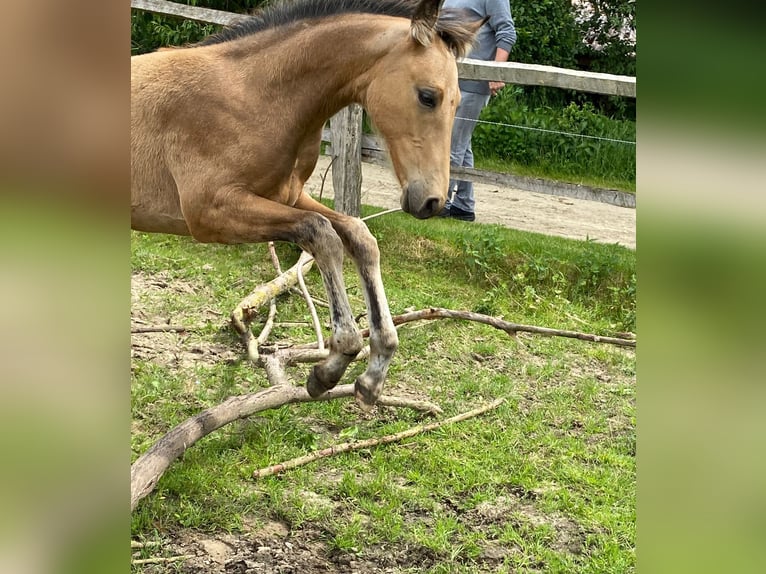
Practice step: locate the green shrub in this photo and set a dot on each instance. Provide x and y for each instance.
(569, 156)
(151, 31)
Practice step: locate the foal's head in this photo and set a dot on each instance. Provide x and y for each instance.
(412, 101)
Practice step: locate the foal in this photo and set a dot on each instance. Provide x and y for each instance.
(225, 133)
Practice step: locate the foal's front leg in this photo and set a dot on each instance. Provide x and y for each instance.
(362, 247)
(241, 217)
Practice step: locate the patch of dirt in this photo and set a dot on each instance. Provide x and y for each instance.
(178, 350)
(527, 211)
(275, 550)
(271, 547)
(522, 512)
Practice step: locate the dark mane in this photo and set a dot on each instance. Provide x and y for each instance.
(285, 12)
(451, 25)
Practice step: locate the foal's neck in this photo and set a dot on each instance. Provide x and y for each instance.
(322, 67)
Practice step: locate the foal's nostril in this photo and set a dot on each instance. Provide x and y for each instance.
(430, 207)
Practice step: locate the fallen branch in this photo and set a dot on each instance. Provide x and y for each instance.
(161, 560)
(160, 329)
(510, 328)
(137, 544)
(243, 314)
(149, 467)
(309, 301)
(357, 445)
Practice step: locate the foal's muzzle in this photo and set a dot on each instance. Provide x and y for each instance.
(418, 200)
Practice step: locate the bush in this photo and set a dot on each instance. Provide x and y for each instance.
(570, 156)
(151, 31)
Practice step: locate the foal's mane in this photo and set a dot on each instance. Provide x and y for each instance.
(451, 26)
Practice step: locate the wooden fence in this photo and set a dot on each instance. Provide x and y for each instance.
(350, 145)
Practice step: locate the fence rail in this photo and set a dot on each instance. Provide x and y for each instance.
(508, 72)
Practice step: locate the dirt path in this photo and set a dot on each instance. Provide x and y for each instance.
(562, 216)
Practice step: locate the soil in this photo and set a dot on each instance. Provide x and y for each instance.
(272, 547)
(527, 211)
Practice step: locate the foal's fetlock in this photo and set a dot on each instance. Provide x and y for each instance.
(367, 391)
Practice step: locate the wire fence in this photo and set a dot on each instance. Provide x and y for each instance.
(584, 136)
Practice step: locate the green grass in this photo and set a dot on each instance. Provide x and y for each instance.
(546, 482)
(555, 173)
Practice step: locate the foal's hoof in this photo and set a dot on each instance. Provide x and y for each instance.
(315, 386)
(366, 397)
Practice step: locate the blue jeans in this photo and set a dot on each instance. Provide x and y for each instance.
(461, 155)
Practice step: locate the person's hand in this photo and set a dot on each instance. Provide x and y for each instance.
(495, 87)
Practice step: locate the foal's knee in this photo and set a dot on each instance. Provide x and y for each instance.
(359, 242)
(316, 235)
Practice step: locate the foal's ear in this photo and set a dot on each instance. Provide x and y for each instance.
(424, 21)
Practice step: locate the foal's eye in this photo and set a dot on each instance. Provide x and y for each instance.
(427, 98)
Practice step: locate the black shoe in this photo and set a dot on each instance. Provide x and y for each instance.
(457, 213)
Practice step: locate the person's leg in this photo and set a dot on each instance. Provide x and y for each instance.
(463, 198)
(462, 129)
(470, 108)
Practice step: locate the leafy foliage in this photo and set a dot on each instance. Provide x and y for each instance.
(547, 32)
(151, 31)
(570, 156)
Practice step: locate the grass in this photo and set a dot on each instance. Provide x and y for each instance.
(556, 173)
(544, 483)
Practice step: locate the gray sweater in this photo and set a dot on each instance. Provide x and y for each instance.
(498, 32)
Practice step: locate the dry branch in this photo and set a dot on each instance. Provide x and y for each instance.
(161, 560)
(309, 301)
(137, 544)
(149, 467)
(161, 329)
(357, 445)
(508, 327)
(244, 313)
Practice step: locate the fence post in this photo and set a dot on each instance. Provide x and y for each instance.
(346, 128)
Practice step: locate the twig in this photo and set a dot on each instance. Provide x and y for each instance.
(160, 329)
(274, 258)
(275, 373)
(243, 314)
(137, 544)
(161, 560)
(510, 328)
(324, 176)
(309, 301)
(386, 212)
(269, 325)
(296, 355)
(350, 446)
(149, 467)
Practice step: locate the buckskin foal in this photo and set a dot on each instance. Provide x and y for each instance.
(225, 133)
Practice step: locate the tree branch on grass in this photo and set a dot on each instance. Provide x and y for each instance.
(160, 329)
(309, 301)
(245, 312)
(146, 471)
(158, 560)
(511, 328)
(358, 445)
